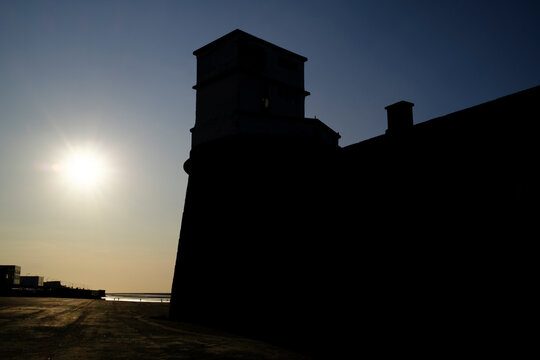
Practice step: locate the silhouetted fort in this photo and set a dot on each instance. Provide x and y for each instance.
(287, 235)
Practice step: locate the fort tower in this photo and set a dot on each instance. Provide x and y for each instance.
(252, 175)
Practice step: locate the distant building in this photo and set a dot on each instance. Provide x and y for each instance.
(31, 281)
(407, 236)
(52, 284)
(10, 276)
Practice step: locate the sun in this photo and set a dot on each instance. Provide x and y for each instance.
(84, 168)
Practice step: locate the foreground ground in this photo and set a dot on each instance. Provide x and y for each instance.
(52, 328)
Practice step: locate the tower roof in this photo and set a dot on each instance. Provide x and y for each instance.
(238, 34)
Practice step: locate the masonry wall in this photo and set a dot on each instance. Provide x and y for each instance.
(407, 235)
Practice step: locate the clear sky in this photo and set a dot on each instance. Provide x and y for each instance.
(96, 105)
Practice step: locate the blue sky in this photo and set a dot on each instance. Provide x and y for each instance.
(116, 76)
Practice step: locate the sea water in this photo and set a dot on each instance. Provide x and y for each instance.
(139, 297)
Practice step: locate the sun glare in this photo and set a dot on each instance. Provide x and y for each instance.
(84, 168)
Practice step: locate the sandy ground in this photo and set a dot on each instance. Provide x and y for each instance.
(52, 328)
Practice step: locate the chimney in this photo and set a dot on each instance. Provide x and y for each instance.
(400, 118)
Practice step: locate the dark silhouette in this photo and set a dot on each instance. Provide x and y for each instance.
(405, 240)
(13, 284)
(10, 276)
(31, 281)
